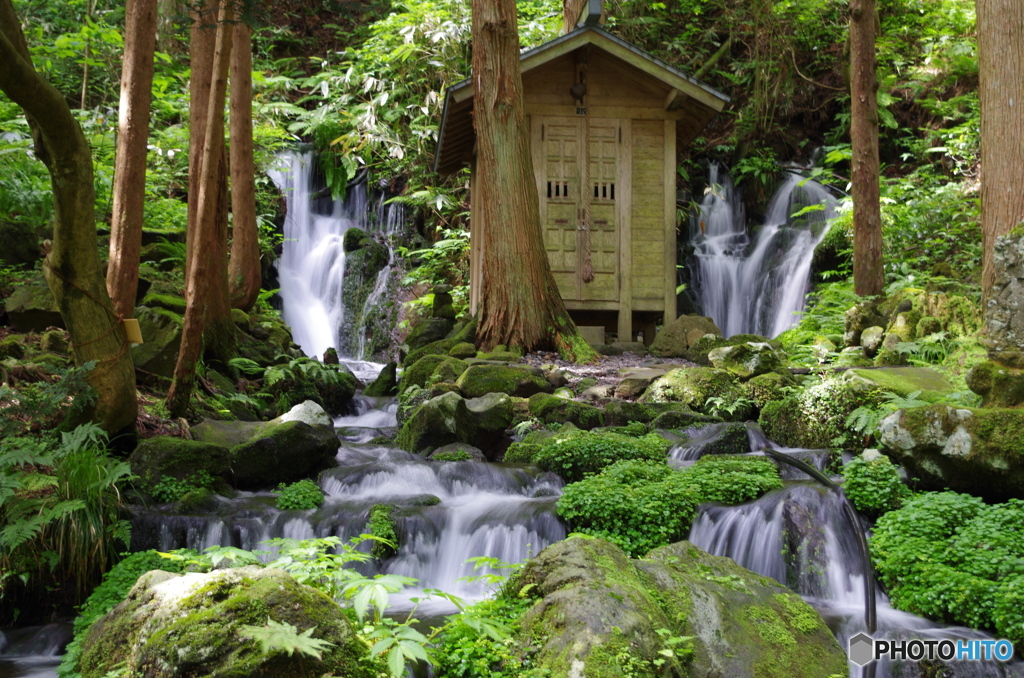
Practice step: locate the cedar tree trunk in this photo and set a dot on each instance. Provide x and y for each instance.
(244, 267)
(201, 271)
(72, 267)
(1000, 55)
(130, 166)
(519, 300)
(868, 272)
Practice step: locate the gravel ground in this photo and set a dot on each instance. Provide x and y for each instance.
(606, 370)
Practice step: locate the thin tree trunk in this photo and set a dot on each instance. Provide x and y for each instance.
(519, 300)
(201, 48)
(571, 11)
(1000, 55)
(868, 271)
(202, 270)
(130, 158)
(72, 268)
(244, 267)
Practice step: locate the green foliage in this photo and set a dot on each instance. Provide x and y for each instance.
(863, 420)
(25, 191)
(115, 587)
(60, 522)
(173, 489)
(953, 558)
(382, 526)
(454, 455)
(474, 644)
(874, 486)
(302, 495)
(720, 406)
(640, 505)
(46, 405)
(585, 452)
(283, 637)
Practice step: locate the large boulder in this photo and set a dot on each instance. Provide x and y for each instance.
(156, 458)
(675, 339)
(386, 383)
(815, 417)
(32, 308)
(194, 625)
(552, 409)
(479, 380)
(692, 386)
(450, 418)
(161, 334)
(998, 386)
(635, 381)
(427, 331)
(978, 451)
(599, 613)
(749, 359)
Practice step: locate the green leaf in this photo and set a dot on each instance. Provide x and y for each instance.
(283, 636)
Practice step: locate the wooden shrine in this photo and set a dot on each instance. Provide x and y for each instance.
(606, 122)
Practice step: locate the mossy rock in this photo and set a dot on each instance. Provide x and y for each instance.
(815, 417)
(353, 239)
(552, 409)
(283, 452)
(676, 338)
(903, 381)
(680, 419)
(156, 458)
(499, 356)
(622, 412)
(692, 386)
(448, 370)
(11, 347)
(161, 332)
(748, 359)
(463, 350)
(979, 451)
(450, 418)
(418, 374)
(998, 386)
(464, 331)
(860, 317)
(725, 438)
(479, 380)
(386, 383)
(54, 341)
(439, 347)
(427, 331)
(521, 453)
(853, 356)
(170, 302)
(765, 388)
(32, 308)
(193, 624)
(241, 319)
(597, 614)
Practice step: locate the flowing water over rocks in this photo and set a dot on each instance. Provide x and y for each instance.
(32, 652)
(754, 283)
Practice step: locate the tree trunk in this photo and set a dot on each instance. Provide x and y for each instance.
(868, 272)
(244, 267)
(218, 332)
(1000, 55)
(571, 11)
(72, 265)
(202, 269)
(130, 167)
(519, 300)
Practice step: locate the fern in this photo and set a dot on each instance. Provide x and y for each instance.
(246, 366)
(282, 636)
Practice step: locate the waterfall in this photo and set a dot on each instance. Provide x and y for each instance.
(311, 269)
(756, 285)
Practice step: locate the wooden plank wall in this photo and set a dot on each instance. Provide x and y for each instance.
(648, 215)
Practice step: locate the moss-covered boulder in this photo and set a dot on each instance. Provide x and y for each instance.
(597, 614)
(450, 418)
(54, 341)
(680, 419)
(859, 318)
(622, 412)
(161, 334)
(19, 241)
(930, 384)
(11, 347)
(449, 370)
(32, 308)
(386, 383)
(765, 388)
(998, 386)
(426, 331)
(195, 625)
(748, 359)
(439, 347)
(418, 373)
(726, 438)
(692, 386)
(282, 452)
(170, 302)
(635, 382)
(463, 350)
(354, 239)
(871, 340)
(978, 451)
(552, 409)
(676, 338)
(815, 417)
(479, 380)
(164, 456)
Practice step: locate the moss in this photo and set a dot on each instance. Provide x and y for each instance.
(904, 381)
(551, 409)
(439, 347)
(463, 350)
(480, 380)
(692, 387)
(155, 458)
(521, 453)
(418, 373)
(765, 388)
(448, 370)
(11, 348)
(167, 302)
(381, 526)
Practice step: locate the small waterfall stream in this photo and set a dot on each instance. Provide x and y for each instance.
(32, 652)
(800, 537)
(756, 285)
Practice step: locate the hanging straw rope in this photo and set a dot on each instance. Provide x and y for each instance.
(588, 267)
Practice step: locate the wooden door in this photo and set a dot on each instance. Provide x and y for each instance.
(558, 156)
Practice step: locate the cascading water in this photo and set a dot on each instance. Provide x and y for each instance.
(447, 511)
(756, 286)
(32, 652)
(800, 537)
(311, 270)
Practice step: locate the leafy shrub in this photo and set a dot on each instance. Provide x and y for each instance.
(521, 453)
(115, 587)
(584, 452)
(58, 396)
(473, 644)
(950, 557)
(874, 486)
(381, 526)
(173, 489)
(302, 496)
(60, 525)
(641, 505)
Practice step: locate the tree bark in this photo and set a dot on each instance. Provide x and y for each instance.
(1001, 89)
(519, 300)
(72, 266)
(868, 271)
(218, 330)
(244, 267)
(207, 233)
(571, 11)
(130, 158)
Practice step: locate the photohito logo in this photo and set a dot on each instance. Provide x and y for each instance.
(863, 649)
